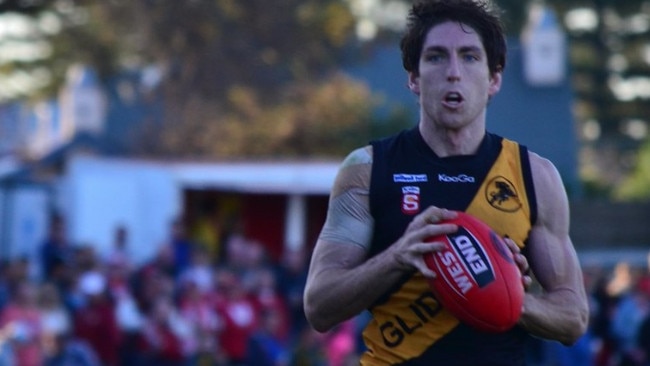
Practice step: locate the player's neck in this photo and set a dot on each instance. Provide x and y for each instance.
(451, 142)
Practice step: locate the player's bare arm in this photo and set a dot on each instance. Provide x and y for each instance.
(561, 311)
(341, 281)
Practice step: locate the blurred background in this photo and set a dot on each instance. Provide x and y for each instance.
(165, 167)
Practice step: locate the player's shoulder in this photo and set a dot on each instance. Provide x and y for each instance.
(359, 156)
(355, 170)
(541, 167)
(550, 193)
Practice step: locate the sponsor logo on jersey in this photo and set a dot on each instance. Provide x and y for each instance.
(502, 195)
(410, 200)
(399, 326)
(410, 178)
(461, 178)
(465, 265)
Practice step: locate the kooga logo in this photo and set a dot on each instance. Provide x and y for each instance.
(462, 178)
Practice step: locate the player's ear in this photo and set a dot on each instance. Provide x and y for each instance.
(414, 83)
(495, 83)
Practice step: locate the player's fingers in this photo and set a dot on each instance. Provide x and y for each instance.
(412, 255)
(424, 269)
(520, 259)
(514, 248)
(431, 231)
(434, 215)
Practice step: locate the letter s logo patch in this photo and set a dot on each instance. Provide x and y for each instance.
(410, 200)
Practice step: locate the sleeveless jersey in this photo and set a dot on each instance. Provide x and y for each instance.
(408, 326)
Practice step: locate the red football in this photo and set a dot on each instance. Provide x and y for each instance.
(477, 278)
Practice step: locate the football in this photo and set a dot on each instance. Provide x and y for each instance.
(477, 278)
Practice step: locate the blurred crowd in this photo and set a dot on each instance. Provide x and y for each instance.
(195, 305)
(619, 327)
(189, 305)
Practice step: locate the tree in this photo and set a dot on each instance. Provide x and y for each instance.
(310, 120)
(636, 186)
(608, 68)
(233, 73)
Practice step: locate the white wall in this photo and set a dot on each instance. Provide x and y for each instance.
(23, 222)
(101, 194)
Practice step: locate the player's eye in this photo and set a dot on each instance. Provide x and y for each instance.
(434, 57)
(470, 57)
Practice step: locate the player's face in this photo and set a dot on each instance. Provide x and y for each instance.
(454, 82)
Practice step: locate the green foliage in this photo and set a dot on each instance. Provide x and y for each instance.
(636, 186)
(208, 46)
(323, 119)
(241, 78)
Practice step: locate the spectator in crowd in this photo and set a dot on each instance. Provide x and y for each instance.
(309, 349)
(239, 315)
(20, 325)
(65, 350)
(165, 336)
(292, 276)
(207, 231)
(119, 255)
(196, 306)
(627, 318)
(58, 345)
(340, 345)
(643, 340)
(56, 252)
(154, 279)
(127, 312)
(180, 245)
(268, 345)
(6, 351)
(18, 272)
(604, 304)
(199, 271)
(95, 321)
(269, 300)
(235, 255)
(54, 316)
(4, 283)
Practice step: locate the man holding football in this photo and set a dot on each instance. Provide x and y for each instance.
(391, 196)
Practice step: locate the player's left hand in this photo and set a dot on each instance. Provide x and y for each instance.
(521, 261)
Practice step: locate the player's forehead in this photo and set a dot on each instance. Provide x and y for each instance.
(452, 35)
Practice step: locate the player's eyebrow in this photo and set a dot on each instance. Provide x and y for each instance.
(440, 48)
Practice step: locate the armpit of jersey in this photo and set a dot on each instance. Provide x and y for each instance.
(348, 219)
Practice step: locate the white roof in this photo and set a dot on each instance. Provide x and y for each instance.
(251, 177)
(258, 177)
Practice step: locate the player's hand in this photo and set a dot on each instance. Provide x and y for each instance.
(522, 262)
(409, 250)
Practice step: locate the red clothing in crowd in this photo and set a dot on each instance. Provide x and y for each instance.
(96, 324)
(240, 321)
(23, 325)
(159, 342)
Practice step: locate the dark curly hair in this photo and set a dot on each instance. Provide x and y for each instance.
(479, 15)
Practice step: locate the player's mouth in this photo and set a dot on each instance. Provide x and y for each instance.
(453, 100)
